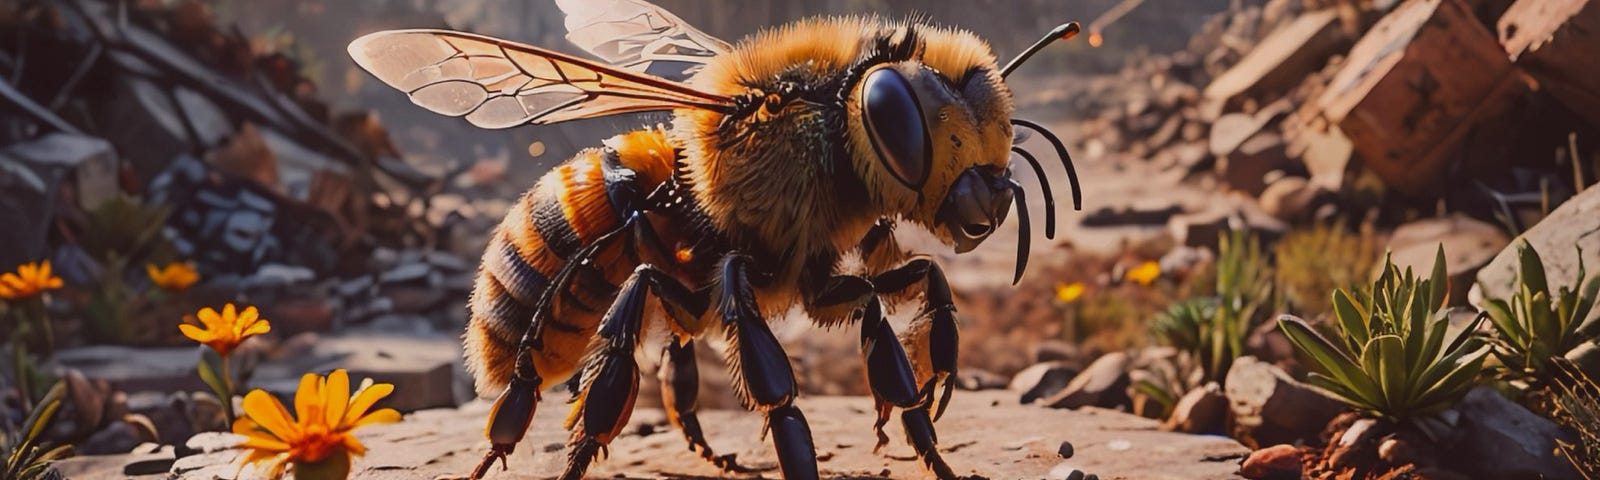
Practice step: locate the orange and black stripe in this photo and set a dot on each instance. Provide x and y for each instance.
(570, 207)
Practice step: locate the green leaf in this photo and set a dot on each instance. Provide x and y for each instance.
(209, 376)
(1331, 361)
(1530, 269)
(1439, 280)
(1351, 320)
(44, 412)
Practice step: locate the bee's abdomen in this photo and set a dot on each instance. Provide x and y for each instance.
(570, 207)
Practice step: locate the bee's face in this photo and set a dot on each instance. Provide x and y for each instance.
(935, 148)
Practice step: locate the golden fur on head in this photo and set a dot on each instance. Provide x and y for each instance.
(774, 187)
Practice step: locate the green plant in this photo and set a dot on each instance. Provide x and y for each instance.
(1535, 325)
(119, 233)
(1212, 330)
(27, 457)
(1394, 356)
(1315, 261)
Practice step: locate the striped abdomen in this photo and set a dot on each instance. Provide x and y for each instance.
(569, 208)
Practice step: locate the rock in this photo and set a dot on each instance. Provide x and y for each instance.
(1357, 444)
(1327, 155)
(143, 122)
(1497, 438)
(1246, 167)
(1290, 198)
(1555, 41)
(1042, 380)
(1107, 216)
(30, 178)
(1277, 462)
(1065, 451)
(1201, 411)
(1103, 384)
(1468, 245)
(423, 370)
(433, 443)
(1202, 229)
(1573, 225)
(136, 369)
(118, 437)
(1411, 89)
(980, 379)
(1270, 407)
(1279, 61)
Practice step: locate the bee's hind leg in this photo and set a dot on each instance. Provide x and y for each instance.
(610, 381)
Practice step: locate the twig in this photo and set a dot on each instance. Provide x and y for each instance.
(1577, 162)
(10, 94)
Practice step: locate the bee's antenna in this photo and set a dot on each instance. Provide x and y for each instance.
(1063, 32)
(1044, 183)
(1061, 151)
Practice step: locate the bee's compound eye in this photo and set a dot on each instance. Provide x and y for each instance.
(895, 125)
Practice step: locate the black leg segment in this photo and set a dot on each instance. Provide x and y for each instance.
(680, 391)
(763, 378)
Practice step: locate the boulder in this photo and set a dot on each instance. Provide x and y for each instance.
(1270, 407)
(1290, 198)
(1496, 438)
(1201, 411)
(1103, 384)
(1042, 380)
(1246, 168)
(136, 369)
(1413, 87)
(422, 369)
(1280, 60)
(1573, 225)
(1555, 41)
(1469, 245)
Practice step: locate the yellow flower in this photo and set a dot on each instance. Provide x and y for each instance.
(29, 280)
(1145, 274)
(1068, 293)
(174, 277)
(327, 413)
(223, 332)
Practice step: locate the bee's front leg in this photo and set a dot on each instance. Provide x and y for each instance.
(934, 337)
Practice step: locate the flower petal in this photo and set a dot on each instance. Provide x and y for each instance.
(195, 333)
(308, 399)
(258, 443)
(336, 397)
(269, 413)
(386, 415)
(364, 401)
(354, 446)
(258, 327)
(230, 315)
(209, 318)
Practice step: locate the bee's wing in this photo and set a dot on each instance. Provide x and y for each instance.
(638, 36)
(497, 83)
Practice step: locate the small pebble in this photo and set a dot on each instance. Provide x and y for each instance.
(1091, 477)
(1065, 451)
(1075, 475)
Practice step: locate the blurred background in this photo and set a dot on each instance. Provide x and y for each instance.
(235, 138)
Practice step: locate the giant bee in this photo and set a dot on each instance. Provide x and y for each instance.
(790, 159)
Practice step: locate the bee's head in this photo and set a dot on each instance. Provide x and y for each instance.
(932, 136)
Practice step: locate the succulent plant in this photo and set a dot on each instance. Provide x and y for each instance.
(1394, 355)
(1535, 325)
(26, 457)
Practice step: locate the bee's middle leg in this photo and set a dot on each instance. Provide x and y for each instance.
(763, 378)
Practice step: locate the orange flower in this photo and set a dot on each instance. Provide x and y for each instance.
(174, 277)
(1068, 293)
(1145, 274)
(29, 280)
(224, 332)
(327, 414)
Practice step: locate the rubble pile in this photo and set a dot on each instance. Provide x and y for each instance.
(1308, 107)
(270, 193)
